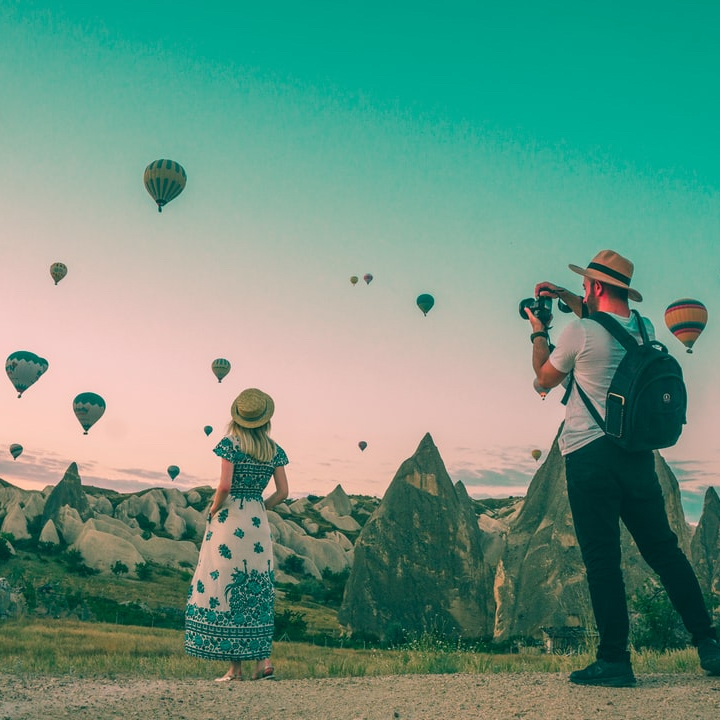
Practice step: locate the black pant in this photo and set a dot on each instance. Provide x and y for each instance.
(606, 484)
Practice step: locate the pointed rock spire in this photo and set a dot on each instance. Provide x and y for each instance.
(418, 560)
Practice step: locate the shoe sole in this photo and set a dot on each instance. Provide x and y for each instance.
(607, 682)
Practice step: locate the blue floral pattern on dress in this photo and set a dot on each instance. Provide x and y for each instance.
(231, 600)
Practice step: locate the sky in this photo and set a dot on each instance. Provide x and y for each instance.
(463, 149)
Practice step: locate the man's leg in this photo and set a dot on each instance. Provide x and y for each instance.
(595, 501)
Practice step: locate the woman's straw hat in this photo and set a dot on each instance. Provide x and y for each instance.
(609, 267)
(252, 408)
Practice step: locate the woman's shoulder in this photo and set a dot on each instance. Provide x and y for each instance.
(227, 448)
(280, 457)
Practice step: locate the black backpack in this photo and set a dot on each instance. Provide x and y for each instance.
(647, 400)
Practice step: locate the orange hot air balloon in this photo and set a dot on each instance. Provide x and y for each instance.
(368, 278)
(536, 454)
(354, 279)
(362, 445)
(686, 319)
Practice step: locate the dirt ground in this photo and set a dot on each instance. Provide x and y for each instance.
(407, 697)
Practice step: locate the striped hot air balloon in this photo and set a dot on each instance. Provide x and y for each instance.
(16, 450)
(220, 368)
(164, 180)
(88, 408)
(24, 368)
(686, 319)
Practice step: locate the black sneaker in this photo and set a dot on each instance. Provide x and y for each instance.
(602, 672)
(709, 652)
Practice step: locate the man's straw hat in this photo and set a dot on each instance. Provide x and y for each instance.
(609, 267)
(252, 408)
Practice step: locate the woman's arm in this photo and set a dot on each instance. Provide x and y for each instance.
(223, 488)
(281, 488)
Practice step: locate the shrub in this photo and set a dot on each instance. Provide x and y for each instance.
(291, 625)
(655, 624)
(143, 571)
(293, 565)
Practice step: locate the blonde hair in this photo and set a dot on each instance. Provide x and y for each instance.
(255, 442)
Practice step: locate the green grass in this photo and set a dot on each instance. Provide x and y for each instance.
(66, 647)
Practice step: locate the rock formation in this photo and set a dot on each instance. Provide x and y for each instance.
(706, 545)
(418, 561)
(68, 492)
(540, 578)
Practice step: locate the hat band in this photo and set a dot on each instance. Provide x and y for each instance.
(609, 271)
(252, 418)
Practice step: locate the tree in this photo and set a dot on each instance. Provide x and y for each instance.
(119, 568)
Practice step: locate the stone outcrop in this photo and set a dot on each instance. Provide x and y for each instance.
(706, 545)
(540, 577)
(68, 492)
(418, 561)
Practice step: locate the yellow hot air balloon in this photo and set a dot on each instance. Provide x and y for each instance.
(536, 454)
(16, 450)
(220, 368)
(425, 302)
(686, 319)
(354, 279)
(58, 271)
(164, 180)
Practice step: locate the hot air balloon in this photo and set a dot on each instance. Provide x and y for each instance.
(58, 271)
(367, 278)
(208, 429)
(539, 389)
(173, 471)
(536, 454)
(354, 279)
(362, 445)
(89, 408)
(686, 319)
(24, 368)
(425, 302)
(164, 180)
(220, 368)
(16, 450)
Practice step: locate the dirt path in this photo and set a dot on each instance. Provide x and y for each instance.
(407, 697)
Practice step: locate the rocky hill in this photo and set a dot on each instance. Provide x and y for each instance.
(426, 557)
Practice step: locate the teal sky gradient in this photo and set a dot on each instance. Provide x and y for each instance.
(462, 149)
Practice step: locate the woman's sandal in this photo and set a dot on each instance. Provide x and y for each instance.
(268, 673)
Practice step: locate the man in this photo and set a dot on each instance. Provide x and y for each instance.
(607, 483)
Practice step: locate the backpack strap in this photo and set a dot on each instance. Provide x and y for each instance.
(624, 338)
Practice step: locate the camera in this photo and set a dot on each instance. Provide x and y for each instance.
(541, 307)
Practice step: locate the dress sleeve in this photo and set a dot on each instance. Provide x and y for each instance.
(226, 449)
(280, 457)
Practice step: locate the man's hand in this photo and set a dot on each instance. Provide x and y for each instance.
(535, 324)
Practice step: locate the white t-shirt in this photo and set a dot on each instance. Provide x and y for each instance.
(588, 350)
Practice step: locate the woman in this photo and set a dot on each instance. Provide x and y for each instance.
(231, 601)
